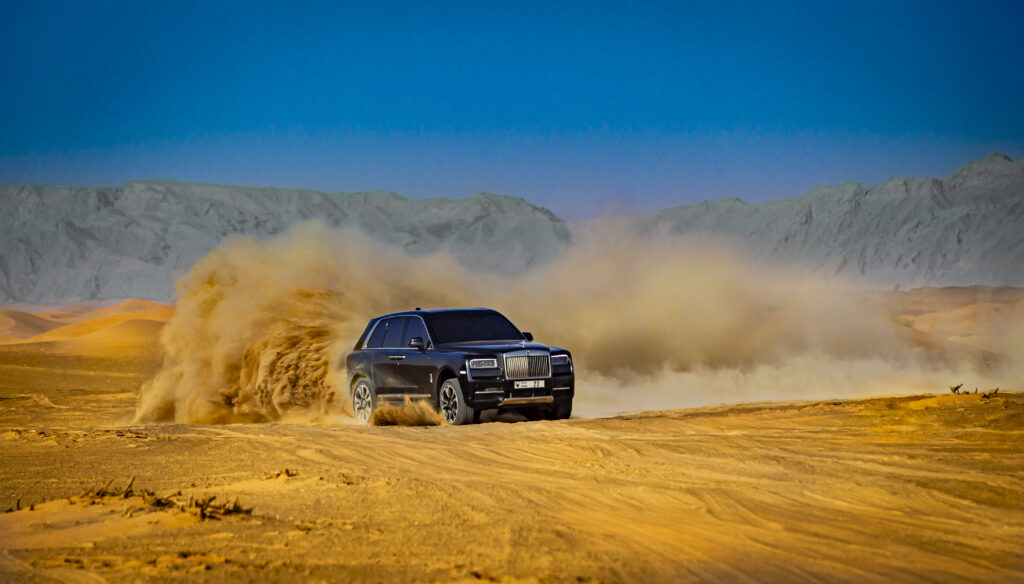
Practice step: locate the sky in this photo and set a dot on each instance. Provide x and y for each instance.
(586, 108)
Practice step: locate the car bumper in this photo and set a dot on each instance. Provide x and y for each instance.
(490, 393)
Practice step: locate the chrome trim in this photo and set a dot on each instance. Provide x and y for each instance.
(526, 353)
(370, 334)
(396, 357)
(478, 366)
(514, 401)
(402, 396)
(497, 391)
(427, 344)
(560, 388)
(560, 356)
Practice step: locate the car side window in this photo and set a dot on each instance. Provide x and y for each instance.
(377, 338)
(415, 329)
(396, 328)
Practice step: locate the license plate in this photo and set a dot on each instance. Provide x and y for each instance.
(533, 384)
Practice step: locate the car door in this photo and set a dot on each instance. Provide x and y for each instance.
(386, 378)
(371, 353)
(417, 368)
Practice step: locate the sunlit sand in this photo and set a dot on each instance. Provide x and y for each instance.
(906, 488)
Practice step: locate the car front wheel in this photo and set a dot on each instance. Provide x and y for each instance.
(560, 411)
(453, 404)
(364, 400)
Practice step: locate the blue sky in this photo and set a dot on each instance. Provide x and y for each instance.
(583, 107)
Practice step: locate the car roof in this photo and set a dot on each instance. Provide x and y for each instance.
(420, 311)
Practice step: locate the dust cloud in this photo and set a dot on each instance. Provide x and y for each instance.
(261, 328)
(412, 413)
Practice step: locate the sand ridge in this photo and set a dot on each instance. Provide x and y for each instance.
(77, 321)
(103, 323)
(18, 325)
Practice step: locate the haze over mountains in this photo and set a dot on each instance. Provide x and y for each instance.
(905, 232)
(61, 243)
(67, 243)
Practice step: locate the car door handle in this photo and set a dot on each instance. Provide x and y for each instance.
(396, 357)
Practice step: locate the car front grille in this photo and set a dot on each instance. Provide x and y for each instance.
(529, 364)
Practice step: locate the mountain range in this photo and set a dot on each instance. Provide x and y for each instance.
(69, 243)
(904, 232)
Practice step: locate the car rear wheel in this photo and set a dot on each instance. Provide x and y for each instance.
(453, 404)
(364, 400)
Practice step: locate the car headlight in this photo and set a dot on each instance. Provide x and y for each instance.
(559, 360)
(483, 363)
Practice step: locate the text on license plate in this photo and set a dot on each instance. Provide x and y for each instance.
(532, 384)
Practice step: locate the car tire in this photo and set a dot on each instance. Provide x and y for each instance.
(559, 411)
(364, 400)
(452, 403)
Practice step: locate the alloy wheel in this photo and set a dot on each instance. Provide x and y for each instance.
(449, 403)
(362, 403)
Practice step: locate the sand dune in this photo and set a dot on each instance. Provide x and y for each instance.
(36, 323)
(136, 334)
(64, 311)
(959, 319)
(134, 325)
(85, 355)
(962, 320)
(93, 325)
(917, 488)
(128, 306)
(929, 299)
(18, 325)
(67, 313)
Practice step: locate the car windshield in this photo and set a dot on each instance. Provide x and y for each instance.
(471, 325)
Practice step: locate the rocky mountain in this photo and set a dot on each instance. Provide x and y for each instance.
(63, 243)
(905, 232)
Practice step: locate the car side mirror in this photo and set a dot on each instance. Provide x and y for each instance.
(529, 336)
(416, 343)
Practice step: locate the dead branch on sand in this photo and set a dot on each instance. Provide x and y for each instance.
(955, 388)
(287, 473)
(203, 507)
(990, 393)
(105, 491)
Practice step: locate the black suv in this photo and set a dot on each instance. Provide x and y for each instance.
(464, 361)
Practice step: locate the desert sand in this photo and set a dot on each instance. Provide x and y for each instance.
(909, 488)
